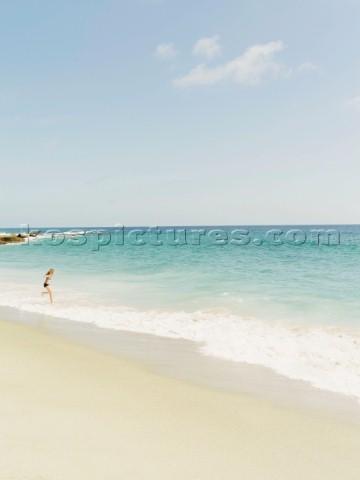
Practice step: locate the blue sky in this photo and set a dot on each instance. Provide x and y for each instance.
(156, 112)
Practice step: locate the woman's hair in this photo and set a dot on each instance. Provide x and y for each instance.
(50, 271)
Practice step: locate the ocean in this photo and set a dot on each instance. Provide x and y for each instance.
(284, 297)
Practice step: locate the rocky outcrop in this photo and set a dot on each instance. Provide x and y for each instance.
(5, 239)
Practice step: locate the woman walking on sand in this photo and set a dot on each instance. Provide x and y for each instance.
(48, 279)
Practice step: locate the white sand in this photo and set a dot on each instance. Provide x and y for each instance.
(70, 412)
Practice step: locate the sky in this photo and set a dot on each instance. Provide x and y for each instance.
(179, 112)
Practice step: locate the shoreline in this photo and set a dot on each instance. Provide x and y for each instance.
(181, 359)
(70, 411)
(323, 357)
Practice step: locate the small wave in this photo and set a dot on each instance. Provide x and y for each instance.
(326, 357)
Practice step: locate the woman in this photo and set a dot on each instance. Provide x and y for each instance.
(48, 279)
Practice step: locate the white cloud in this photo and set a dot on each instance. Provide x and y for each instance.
(354, 103)
(208, 47)
(308, 66)
(248, 69)
(165, 50)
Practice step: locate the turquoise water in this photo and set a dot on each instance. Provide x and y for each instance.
(288, 304)
(308, 282)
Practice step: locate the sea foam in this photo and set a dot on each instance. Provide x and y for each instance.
(326, 357)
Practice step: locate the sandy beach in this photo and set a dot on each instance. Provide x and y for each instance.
(69, 411)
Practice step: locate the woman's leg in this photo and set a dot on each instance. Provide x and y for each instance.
(50, 293)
